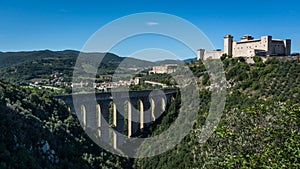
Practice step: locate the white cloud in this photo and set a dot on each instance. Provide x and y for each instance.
(152, 23)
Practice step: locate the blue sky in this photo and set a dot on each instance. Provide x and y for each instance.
(59, 25)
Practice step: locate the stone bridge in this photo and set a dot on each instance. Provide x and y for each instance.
(124, 112)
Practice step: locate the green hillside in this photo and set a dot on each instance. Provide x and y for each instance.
(25, 67)
(38, 132)
(260, 126)
(8, 59)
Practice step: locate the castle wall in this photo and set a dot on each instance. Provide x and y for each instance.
(287, 45)
(168, 68)
(277, 48)
(215, 54)
(263, 46)
(249, 47)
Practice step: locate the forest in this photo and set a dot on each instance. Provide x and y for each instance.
(259, 128)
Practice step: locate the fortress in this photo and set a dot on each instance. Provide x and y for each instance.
(249, 47)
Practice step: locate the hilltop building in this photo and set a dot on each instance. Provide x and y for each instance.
(167, 68)
(249, 47)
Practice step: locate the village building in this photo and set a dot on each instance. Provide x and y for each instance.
(167, 68)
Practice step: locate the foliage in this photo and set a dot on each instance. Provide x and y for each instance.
(39, 132)
(259, 127)
(25, 67)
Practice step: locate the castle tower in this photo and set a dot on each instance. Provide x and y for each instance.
(200, 54)
(267, 41)
(228, 40)
(287, 45)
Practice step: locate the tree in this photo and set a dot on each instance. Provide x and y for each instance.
(257, 59)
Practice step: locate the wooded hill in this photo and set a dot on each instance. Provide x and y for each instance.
(22, 67)
(260, 126)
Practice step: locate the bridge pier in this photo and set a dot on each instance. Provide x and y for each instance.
(158, 107)
(137, 110)
(104, 121)
(146, 111)
(133, 117)
(119, 112)
(91, 117)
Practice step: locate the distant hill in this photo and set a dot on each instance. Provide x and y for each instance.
(19, 67)
(8, 59)
(189, 59)
(168, 61)
(25, 66)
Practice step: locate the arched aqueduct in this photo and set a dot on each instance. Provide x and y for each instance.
(125, 112)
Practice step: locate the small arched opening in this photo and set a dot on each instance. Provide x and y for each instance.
(83, 116)
(152, 108)
(163, 104)
(127, 118)
(98, 113)
(141, 111)
(112, 114)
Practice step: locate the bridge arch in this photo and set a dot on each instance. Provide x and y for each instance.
(98, 119)
(124, 114)
(163, 104)
(83, 115)
(152, 108)
(112, 111)
(127, 118)
(141, 113)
